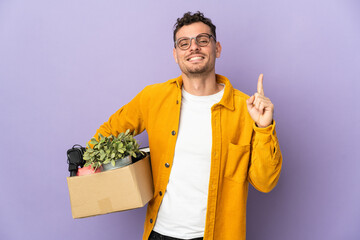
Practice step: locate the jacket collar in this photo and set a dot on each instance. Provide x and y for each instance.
(228, 97)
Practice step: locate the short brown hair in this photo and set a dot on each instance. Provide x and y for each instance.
(190, 18)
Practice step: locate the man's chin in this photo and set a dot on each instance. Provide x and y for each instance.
(197, 70)
(196, 74)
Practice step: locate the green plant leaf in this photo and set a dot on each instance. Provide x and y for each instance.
(102, 155)
(108, 149)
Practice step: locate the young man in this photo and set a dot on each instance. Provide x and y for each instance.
(207, 142)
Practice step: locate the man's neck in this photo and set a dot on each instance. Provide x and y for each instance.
(201, 85)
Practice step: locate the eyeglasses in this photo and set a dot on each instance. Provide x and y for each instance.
(202, 40)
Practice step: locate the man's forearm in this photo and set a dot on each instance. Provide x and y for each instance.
(266, 159)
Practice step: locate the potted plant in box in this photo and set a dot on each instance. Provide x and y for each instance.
(111, 152)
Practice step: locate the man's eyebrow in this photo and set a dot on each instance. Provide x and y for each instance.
(181, 38)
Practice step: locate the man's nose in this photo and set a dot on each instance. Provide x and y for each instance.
(193, 45)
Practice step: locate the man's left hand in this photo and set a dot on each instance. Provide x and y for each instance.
(260, 107)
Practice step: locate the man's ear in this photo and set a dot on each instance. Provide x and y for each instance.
(175, 55)
(218, 49)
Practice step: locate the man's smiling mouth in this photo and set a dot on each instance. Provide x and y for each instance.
(197, 58)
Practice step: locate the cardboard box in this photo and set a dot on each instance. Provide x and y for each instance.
(111, 191)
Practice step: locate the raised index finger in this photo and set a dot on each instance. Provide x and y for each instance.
(260, 88)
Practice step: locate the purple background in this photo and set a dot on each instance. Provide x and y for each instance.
(66, 66)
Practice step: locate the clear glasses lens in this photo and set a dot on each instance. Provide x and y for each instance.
(202, 40)
(184, 43)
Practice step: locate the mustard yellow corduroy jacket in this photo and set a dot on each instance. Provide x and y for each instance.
(241, 152)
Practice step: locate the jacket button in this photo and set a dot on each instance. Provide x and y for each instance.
(151, 221)
(177, 101)
(167, 165)
(160, 193)
(173, 133)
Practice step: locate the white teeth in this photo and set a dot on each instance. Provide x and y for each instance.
(195, 58)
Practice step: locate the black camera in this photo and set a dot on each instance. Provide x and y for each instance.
(75, 158)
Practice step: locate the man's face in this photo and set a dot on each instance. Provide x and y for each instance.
(196, 60)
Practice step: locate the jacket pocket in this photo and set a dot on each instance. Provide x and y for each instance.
(237, 162)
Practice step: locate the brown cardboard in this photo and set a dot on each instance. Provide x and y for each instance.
(111, 191)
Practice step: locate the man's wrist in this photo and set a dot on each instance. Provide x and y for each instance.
(265, 130)
(259, 126)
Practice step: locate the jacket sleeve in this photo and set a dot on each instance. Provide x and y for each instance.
(266, 159)
(130, 116)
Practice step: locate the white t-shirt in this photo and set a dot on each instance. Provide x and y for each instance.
(182, 212)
